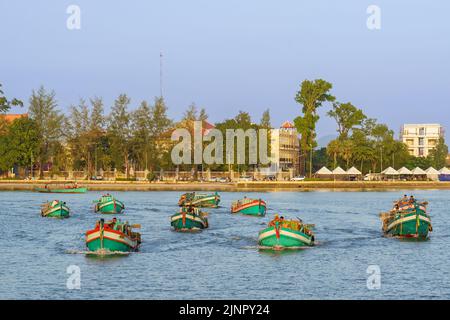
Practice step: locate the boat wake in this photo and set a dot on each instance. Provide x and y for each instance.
(101, 253)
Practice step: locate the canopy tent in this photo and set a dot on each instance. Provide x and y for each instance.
(404, 171)
(444, 170)
(353, 171)
(432, 174)
(390, 172)
(418, 172)
(324, 171)
(339, 171)
(431, 171)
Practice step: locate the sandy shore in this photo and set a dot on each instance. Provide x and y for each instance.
(237, 186)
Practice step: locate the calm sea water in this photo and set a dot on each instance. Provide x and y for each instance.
(223, 262)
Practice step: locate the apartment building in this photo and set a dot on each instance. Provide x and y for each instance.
(285, 148)
(421, 138)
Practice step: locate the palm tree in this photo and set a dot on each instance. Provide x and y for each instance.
(333, 150)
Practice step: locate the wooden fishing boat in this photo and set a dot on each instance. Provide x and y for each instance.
(189, 219)
(55, 209)
(57, 187)
(282, 233)
(248, 206)
(113, 236)
(408, 219)
(109, 205)
(199, 200)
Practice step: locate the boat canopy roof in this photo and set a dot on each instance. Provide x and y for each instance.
(339, 170)
(418, 171)
(353, 171)
(324, 170)
(404, 170)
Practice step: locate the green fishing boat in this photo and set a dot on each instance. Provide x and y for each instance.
(189, 219)
(109, 205)
(408, 219)
(282, 233)
(113, 236)
(67, 187)
(55, 209)
(251, 207)
(199, 200)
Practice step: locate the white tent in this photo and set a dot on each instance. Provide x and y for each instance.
(353, 171)
(324, 171)
(418, 172)
(404, 171)
(432, 174)
(390, 172)
(432, 170)
(444, 170)
(339, 171)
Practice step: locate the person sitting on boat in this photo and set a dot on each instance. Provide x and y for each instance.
(412, 200)
(113, 224)
(275, 222)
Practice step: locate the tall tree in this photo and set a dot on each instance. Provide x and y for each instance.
(119, 132)
(311, 96)
(347, 117)
(265, 119)
(142, 124)
(43, 110)
(438, 155)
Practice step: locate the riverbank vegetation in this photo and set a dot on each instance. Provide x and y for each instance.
(137, 136)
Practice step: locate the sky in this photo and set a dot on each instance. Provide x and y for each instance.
(234, 55)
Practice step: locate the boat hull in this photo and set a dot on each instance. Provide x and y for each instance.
(284, 237)
(110, 207)
(409, 225)
(256, 208)
(209, 201)
(110, 240)
(185, 221)
(68, 190)
(59, 211)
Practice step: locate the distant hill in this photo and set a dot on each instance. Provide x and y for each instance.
(322, 142)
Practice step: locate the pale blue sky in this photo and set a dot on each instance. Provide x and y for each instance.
(232, 55)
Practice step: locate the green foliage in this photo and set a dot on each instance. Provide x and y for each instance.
(438, 156)
(49, 123)
(18, 144)
(347, 117)
(5, 104)
(311, 96)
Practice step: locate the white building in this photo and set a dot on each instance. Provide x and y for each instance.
(285, 148)
(421, 138)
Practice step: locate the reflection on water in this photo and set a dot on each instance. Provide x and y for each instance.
(225, 259)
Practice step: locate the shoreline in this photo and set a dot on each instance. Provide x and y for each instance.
(14, 185)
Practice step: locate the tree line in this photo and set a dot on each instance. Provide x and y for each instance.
(361, 142)
(87, 139)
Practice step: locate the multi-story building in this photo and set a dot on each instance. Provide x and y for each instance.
(285, 148)
(421, 138)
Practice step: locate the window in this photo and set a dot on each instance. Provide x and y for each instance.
(421, 141)
(421, 131)
(421, 152)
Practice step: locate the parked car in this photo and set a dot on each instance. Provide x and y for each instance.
(97, 178)
(223, 180)
(270, 178)
(298, 178)
(245, 178)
